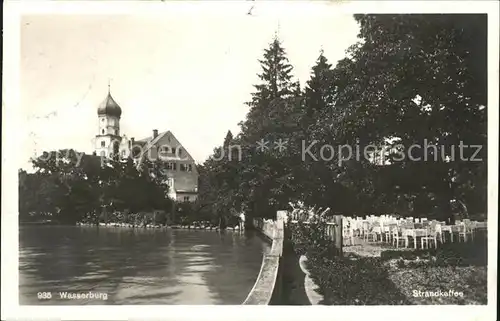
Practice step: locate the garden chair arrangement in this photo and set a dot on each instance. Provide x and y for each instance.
(415, 232)
(392, 230)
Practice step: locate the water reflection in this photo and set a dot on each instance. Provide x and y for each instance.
(141, 266)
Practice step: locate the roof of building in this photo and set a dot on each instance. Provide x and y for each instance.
(150, 138)
(151, 141)
(109, 107)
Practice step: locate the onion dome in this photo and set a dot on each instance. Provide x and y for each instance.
(109, 107)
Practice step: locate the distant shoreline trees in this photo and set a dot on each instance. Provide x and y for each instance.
(69, 187)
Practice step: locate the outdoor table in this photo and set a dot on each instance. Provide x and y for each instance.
(480, 225)
(414, 233)
(377, 230)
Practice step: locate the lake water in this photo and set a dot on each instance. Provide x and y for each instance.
(136, 266)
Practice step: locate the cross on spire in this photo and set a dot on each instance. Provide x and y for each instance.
(109, 85)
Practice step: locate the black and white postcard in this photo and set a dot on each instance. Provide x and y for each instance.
(216, 159)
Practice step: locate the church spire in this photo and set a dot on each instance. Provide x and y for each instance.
(109, 105)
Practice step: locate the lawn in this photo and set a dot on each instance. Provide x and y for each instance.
(468, 284)
(371, 274)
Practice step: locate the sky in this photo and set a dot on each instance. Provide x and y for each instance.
(187, 72)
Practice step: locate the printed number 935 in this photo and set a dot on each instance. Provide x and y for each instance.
(44, 295)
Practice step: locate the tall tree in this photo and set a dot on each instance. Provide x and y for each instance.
(228, 139)
(318, 177)
(276, 84)
(411, 80)
(320, 88)
(264, 179)
(417, 78)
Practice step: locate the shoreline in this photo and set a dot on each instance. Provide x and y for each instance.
(131, 226)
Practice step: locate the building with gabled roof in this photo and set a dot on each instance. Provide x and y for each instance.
(180, 168)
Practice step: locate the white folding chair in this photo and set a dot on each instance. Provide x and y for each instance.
(432, 236)
(397, 236)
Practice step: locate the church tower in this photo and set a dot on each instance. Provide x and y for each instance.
(107, 142)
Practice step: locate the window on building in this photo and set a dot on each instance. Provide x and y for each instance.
(175, 166)
(103, 144)
(180, 151)
(186, 198)
(190, 168)
(163, 151)
(102, 131)
(183, 167)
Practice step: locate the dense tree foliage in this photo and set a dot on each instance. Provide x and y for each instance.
(412, 80)
(68, 186)
(414, 85)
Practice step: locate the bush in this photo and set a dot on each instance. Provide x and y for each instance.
(310, 239)
(342, 280)
(366, 281)
(345, 281)
(448, 254)
(405, 255)
(462, 254)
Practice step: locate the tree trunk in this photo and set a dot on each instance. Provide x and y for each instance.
(338, 234)
(446, 210)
